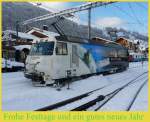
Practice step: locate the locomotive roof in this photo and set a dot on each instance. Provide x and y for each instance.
(95, 41)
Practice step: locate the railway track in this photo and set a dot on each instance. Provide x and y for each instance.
(111, 95)
(134, 98)
(89, 99)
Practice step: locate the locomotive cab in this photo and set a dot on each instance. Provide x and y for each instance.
(37, 67)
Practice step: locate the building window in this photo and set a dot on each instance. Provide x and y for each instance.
(61, 48)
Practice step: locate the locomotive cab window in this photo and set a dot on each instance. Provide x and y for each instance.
(61, 48)
(42, 48)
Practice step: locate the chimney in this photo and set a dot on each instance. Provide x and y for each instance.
(45, 27)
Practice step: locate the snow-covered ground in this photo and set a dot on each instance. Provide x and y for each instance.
(141, 104)
(18, 93)
(123, 99)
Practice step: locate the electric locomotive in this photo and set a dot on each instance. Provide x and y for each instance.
(56, 58)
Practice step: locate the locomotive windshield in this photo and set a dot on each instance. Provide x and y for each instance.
(42, 48)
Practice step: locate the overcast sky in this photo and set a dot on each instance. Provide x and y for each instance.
(128, 15)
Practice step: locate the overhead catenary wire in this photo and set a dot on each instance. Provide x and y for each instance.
(143, 10)
(125, 23)
(136, 18)
(124, 12)
(133, 12)
(142, 6)
(129, 15)
(92, 5)
(81, 8)
(94, 24)
(67, 11)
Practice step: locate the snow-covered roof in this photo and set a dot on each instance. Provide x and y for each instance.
(120, 34)
(105, 41)
(21, 47)
(47, 33)
(142, 44)
(21, 34)
(129, 40)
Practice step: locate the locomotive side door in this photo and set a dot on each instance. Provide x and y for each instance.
(74, 60)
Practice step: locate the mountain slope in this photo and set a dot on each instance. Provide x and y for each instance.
(21, 11)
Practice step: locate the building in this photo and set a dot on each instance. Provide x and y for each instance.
(129, 44)
(39, 33)
(8, 51)
(16, 47)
